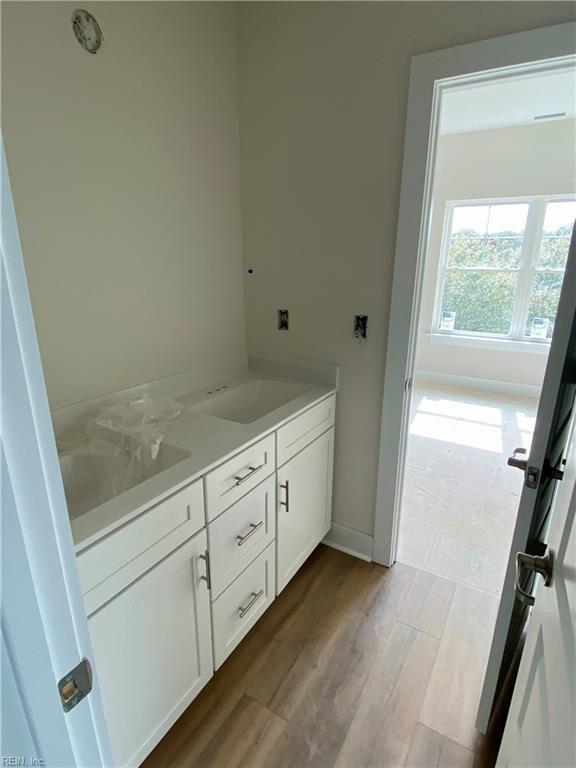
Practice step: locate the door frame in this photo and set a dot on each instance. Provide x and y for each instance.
(431, 74)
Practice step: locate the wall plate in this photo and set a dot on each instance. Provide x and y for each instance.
(282, 319)
(360, 327)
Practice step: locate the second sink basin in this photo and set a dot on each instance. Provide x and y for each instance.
(248, 402)
(88, 476)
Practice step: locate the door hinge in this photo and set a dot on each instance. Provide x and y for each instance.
(75, 685)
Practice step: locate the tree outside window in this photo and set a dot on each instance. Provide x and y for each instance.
(502, 268)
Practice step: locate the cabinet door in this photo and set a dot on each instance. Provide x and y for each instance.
(153, 651)
(304, 505)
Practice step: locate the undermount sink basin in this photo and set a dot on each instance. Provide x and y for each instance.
(249, 402)
(91, 478)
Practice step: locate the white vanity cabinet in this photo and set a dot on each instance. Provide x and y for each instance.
(171, 593)
(153, 650)
(304, 493)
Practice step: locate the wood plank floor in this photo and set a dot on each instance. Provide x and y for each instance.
(353, 666)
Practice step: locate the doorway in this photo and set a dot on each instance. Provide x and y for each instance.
(433, 76)
(503, 206)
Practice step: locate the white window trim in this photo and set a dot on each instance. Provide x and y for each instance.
(502, 344)
(515, 340)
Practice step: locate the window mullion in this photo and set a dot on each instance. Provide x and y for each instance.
(441, 279)
(528, 260)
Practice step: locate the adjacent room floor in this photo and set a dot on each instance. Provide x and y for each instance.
(353, 666)
(460, 497)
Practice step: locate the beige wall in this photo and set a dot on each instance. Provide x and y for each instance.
(126, 182)
(125, 173)
(506, 162)
(323, 93)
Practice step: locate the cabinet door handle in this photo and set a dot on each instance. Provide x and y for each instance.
(243, 610)
(253, 528)
(286, 503)
(253, 470)
(207, 578)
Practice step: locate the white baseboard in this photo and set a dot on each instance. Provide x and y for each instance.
(352, 542)
(470, 382)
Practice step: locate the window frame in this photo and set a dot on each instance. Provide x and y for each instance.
(531, 242)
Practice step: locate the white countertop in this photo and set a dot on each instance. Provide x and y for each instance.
(209, 441)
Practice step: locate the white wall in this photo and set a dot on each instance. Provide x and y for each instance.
(506, 162)
(323, 93)
(125, 173)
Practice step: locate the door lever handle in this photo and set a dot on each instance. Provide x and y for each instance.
(514, 461)
(544, 565)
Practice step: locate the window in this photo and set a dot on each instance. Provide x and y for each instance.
(501, 268)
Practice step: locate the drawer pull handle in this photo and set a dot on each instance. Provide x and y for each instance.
(207, 578)
(243, 610)
(253, 528)
(253, 470)
(286, 502)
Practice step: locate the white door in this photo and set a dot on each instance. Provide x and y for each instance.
(304, 502)
(543, 463)
(153, 651)
(540, 727)
(44, 628)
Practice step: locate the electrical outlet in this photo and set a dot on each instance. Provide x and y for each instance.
(360, 327)
(282, 319)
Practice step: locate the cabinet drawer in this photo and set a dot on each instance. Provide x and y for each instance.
(302, 430)
(233, 479)
(240, 606)
(115, 561)
(240, 534)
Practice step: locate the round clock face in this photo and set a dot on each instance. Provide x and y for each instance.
(87, 30)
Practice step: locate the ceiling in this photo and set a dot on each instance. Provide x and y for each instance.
(510, 101)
